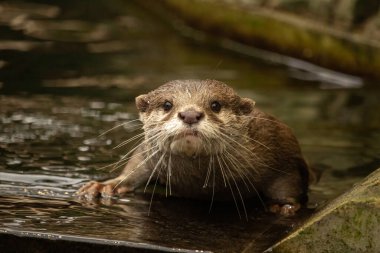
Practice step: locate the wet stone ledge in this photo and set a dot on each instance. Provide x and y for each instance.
(30, 242)
(174, 225)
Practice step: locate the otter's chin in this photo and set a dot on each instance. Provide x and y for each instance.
(189, 145)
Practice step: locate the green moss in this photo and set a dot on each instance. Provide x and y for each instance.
(268, 32)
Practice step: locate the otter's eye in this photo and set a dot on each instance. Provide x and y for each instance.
(216, 106)
(167, 106)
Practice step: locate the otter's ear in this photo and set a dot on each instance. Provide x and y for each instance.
(246, 105)
(142, 103)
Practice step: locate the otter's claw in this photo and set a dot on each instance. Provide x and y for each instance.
(95, 189)
(286, 209)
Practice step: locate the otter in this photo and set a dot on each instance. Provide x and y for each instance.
(203, 141)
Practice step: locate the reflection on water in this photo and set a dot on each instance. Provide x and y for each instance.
(128, 219)
(69, 71)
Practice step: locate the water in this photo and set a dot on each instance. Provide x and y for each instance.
(70, 70)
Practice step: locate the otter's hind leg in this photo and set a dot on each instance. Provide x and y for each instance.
(286, 193)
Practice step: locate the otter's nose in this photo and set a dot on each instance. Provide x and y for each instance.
(190, 116)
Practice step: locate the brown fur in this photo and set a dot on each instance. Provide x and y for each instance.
(237, 153)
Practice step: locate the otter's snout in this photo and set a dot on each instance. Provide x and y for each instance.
(191, 116)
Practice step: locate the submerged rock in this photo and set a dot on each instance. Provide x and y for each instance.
(350, 223)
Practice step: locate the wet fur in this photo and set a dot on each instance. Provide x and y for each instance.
(243, 152)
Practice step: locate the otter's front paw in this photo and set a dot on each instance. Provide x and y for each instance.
(284, 209)
(95, 189)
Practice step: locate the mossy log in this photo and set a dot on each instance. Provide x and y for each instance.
(288, 34)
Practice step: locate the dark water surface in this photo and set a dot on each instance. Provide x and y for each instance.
(69, 70)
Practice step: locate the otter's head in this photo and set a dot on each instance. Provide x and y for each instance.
(191, 117)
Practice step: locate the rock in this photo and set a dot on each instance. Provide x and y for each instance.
(350, 223)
